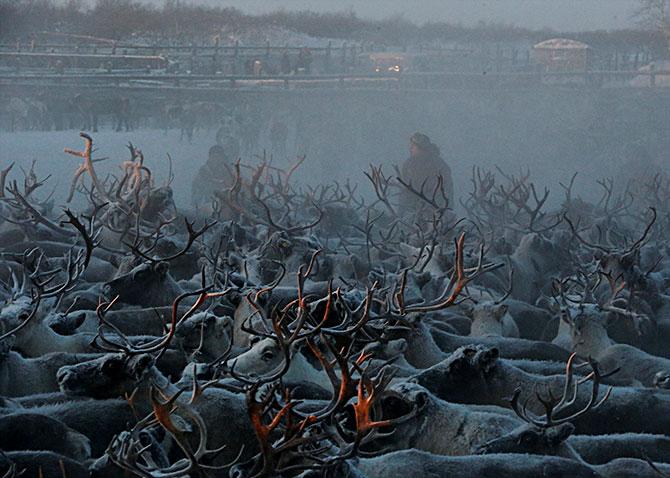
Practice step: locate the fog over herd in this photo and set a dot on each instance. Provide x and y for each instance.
(282, 239)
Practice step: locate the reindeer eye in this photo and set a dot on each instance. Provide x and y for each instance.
(112, 367)
(267, 356)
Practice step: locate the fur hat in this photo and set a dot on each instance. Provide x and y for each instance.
(216, 152)
(421, 141)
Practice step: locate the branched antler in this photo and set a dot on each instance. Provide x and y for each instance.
(556, 409)
(460, 278)
(86, 167)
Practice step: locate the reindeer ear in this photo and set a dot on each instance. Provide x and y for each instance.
(627, 260)
(142, 362)
(488, 359)
(6, 345)
(467, 308)
(501, 310)
(565, 316)
(561, 433)
(162, 268)
(401, 345)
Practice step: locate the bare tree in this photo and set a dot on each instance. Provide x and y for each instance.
(655, 15)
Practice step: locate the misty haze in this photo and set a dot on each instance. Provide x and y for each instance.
(374, 239)
(560, 15)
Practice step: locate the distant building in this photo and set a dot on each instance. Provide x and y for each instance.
(562, 54)
(661, 79)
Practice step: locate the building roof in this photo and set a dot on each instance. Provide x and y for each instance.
(561, 44)
(381, 56)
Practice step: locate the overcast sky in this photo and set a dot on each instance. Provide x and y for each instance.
(557, 14)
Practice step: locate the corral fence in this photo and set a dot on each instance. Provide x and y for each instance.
(650, 78)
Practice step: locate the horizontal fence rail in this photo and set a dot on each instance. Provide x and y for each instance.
(411, 80)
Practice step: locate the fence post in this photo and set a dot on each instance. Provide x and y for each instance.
(616, 60)
(498, 58)
(328, 53)
(344, 55)
(215, 56)
(236, 54)
(586, 72)
(193, 58)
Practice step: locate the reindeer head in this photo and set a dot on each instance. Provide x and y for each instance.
(546, 435)
(528, 439)
(110, 376)
(462, 374)
(149, 283)
(159, 203)
(662, 379)
(205, 334)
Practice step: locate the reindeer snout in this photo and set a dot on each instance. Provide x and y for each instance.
(107, 291)
(64, 377)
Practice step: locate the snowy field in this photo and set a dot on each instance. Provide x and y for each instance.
(47, 149)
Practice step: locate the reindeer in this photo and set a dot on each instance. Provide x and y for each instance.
(475, 375)
(27, 431)
(584, 330)
(21, 376)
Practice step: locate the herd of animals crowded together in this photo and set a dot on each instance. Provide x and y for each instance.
(57, 111)
(326, 330)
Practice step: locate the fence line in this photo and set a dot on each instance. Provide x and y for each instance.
(423, 80)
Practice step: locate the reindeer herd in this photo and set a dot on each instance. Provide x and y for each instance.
(323, 330)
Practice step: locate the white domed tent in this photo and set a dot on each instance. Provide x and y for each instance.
(562, 54)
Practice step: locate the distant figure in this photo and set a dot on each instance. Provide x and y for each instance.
(251, 123)
(229, 127)
(423, 168)
(304, 63)
(278, 137)
(217, 174)
(285, 65)
(257, 68)
(638, 169)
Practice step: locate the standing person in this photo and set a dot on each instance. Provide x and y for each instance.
(257, 67)
(422, 168)
(285, 64)
(278, 137)
(307, 61)
(638, 169)
(300, 62)
(251, 125)
(217, 174)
